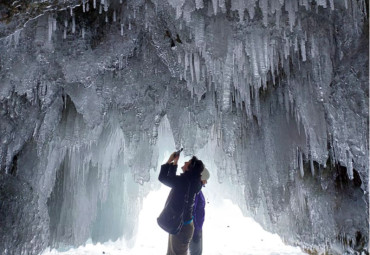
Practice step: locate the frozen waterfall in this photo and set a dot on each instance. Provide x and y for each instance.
(272, 94)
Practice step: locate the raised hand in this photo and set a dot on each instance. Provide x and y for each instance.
(173, 158)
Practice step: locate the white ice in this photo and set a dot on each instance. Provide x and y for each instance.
(226, 232)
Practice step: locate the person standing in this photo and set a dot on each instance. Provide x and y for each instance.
(196, 243)
(182, 196)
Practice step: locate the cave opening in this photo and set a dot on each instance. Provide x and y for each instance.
(228, 228)
(226, 231)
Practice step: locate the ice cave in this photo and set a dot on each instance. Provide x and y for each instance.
(272, 95)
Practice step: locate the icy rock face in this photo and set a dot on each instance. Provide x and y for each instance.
(276, 90)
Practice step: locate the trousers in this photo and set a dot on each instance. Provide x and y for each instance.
(196, 244)
(179, 244)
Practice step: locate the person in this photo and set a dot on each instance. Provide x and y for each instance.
(196, 243)
(183, 191)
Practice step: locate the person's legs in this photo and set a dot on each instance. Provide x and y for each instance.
(196, 244)
(180, 241)
(169, 248)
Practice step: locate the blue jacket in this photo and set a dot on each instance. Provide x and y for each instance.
(198, 212)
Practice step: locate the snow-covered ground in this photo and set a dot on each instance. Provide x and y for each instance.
(226, 231)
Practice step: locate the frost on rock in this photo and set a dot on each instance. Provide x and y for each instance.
(276, 90)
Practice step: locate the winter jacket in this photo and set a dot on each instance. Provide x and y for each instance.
(180, 185)
(198, 212)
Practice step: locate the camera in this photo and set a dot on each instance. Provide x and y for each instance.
(177, 153)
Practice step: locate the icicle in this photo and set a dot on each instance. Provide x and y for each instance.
(71, 11)
(251, 8)
(266, 42)
(301, 164)
(286, 104)
(50, 30)
(121, 29)
(305, 4)
(191, 88)
(197, 67)
(254, 58)
(106, 18)
(346, 3)
(291, 14)
(261, 56)
(203, 72)
(129, 25)
(178, 12)
(105, 6)
(332, 5)
(65, 33)
(265, 11)
(54, 25)
(312, 168)
(286, 46)
(222, 5)
(295, 158)
(277, 16)
(100, 9)
(299, 24)
(191, 67)
(73, 25)
(303, 50)
(199, 4)
(87, 7)
(214, 4)
(298, 120)
(313, 47)
(94, 4)
(257, 104)
(120, 62)
(83, 6)
(321, 3)
(114, 16)
(349, 165)
(120, 1)
(271, 60)
(83, 33)
(295, 44)
(186, 63)
(295, 7)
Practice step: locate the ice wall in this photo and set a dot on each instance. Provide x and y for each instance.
(272, 94)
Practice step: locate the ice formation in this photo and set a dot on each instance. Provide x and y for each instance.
(272, 93)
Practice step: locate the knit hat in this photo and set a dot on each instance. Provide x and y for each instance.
(204, 175)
